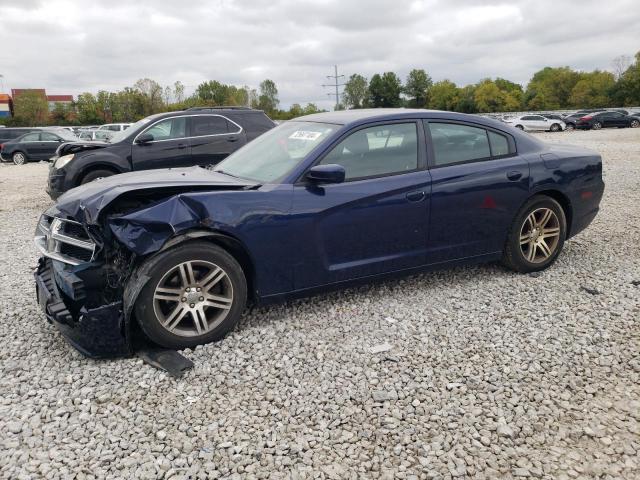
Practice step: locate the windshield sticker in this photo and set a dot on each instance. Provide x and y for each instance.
(305, 135)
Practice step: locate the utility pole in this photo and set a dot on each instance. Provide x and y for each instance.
(336, 84)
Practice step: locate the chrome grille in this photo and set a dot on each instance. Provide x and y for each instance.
(64, 240)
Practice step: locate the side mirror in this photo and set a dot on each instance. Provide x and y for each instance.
(330, 173)
(145, 138)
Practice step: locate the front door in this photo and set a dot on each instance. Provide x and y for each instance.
(376, 220)
(478, 185)
(30, 146)
(49, 143)
(169, 148)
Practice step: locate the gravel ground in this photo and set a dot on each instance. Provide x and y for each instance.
(488, 374)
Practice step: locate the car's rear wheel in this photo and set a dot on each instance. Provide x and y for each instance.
(555, 127)
(520, 127)
(95, 175)
(596, 125)
(536, 236)
(195, 294)
(635, 123)
(19, 158)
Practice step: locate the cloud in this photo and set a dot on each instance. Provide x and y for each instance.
(72, 47)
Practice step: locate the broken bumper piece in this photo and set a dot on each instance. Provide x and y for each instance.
(96, 332)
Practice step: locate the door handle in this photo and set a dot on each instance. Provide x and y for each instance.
(181, 146)
(232, 139)
(514, 175)
(415, 196)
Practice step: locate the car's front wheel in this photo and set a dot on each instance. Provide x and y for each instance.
(634, 123)
(95, 175)
(520, 127)
(536, 236)
(596, 125)
(555, 127)
(19, 158)
(196, 294)
(570, 126)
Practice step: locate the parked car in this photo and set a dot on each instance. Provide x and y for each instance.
(199, 136)
(114, 127)
(607, 119)
(33, 146)
(536, 122)
(320, 202)
(96, 135)
(11, 133)
(571, 120)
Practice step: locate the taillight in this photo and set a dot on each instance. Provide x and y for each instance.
(588, 117)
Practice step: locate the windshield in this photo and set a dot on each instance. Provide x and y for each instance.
(119, 136)
(66, 134)
(274, 154)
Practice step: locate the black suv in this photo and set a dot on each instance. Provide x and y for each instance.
(197, 136)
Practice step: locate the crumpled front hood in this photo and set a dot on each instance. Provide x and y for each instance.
(84, 203)
(76, 147)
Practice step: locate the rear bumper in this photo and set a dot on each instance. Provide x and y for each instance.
(96, 332)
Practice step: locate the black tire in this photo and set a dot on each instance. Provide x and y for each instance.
(596, 126)
(514, 257)
(163, 265)
(95, 174)
(520, 127)
(634, 123)
(19, 158)
(570, 126)
(555, 127)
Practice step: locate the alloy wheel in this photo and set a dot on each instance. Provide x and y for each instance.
(635, 123)
(193, 298)
(19, 158)
(540, 235)
(597, 126)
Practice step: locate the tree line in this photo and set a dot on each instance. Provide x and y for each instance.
(549, 89)
(147, 97)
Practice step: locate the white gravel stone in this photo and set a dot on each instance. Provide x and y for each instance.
(294, 391)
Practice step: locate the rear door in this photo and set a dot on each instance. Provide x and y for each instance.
(169, 148)
(30, 146)
(478, 184)
(214, 137)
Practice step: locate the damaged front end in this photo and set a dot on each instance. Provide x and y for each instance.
(81, 296)
(91, 270)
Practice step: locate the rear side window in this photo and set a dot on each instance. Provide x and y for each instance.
(48, 137)
(377, 151)
(499, 144)
(210, 125)
(253, 121)
(454, 143)
(32, 137)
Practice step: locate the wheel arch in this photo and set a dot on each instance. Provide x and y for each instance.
(95, 166)
(228, 242)
(564, 202)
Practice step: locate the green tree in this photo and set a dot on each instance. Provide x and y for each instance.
(355, 92)
(384, 91)
(593, 90)
(268, 99)
(550, 88)
(31, 108)
(466, 102)
(444, 95)
(626, 90)
(152, 94)
(417, 88)
(87, 108)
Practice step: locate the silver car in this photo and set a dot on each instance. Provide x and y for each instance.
(536, 122)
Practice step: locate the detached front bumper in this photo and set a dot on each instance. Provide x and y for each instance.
(55, 182)
(99, 332)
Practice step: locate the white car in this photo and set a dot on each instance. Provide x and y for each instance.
(114, 127)
(536, 122)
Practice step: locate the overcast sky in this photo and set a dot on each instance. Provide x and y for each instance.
(76, 46)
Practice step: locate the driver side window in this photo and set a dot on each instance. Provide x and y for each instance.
(168, 129)
(377, 151)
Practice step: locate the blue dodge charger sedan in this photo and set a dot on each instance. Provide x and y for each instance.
(320, 202)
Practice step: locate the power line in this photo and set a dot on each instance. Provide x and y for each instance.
(335, 85)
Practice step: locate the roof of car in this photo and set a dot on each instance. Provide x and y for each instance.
(344, 117)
